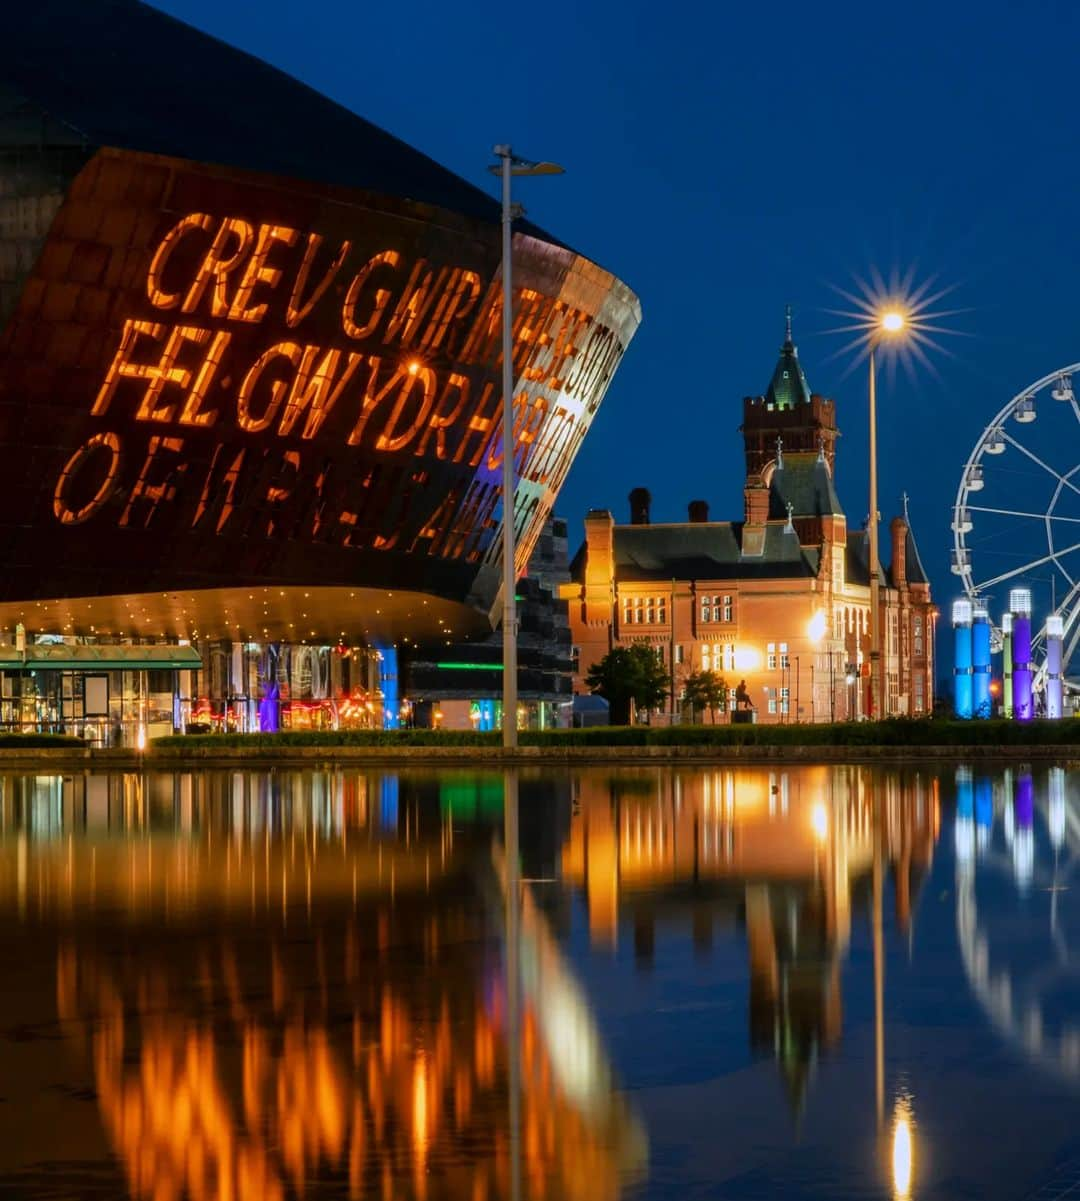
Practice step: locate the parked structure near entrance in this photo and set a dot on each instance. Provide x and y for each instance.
(780, 600)
(249, 362)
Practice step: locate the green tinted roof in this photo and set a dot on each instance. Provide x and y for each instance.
(788, 385)
(60, 657)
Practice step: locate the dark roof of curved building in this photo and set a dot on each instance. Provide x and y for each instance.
(122, 74)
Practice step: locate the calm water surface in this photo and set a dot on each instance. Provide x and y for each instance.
(741, 984)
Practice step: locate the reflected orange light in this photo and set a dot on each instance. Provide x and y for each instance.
(819, 819)
(420, 1109)
(902, 1150)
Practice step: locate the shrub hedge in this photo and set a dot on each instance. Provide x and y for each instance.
(35, 742)
(912, 732)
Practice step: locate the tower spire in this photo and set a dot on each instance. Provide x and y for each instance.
(788, 341)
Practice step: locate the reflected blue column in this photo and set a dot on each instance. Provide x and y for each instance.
(388, 803)
(962, 701)
(965, 817)
(984, 812)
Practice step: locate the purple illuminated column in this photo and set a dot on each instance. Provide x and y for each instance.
(980, 661)
(1020, 605)
(961, 616)
(1006, 665)
(1055, 633)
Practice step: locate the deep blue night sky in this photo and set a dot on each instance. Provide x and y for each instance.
(726, 159)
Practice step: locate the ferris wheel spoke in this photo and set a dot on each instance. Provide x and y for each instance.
(1070, 647)
(1020, 513)
(1069, 609)
(1035, 459)
(1009, 575)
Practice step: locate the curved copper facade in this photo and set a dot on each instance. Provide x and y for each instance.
(228, 398)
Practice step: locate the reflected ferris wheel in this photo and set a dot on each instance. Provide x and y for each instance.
(1024, 829)
(1016, 518)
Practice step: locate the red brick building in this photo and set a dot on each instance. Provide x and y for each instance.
(779, 600)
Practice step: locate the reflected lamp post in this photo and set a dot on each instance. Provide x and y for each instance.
(508, 166)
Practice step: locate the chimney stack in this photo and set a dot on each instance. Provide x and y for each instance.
(640, 500)
(698, 510)
(899, 530)
(599, 564)
(755, 500)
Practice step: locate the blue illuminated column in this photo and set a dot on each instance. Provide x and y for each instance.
(980, 661)
(1006, 668)
(1020, 605)
(1055, 633)
(388, 684)
(961, 616)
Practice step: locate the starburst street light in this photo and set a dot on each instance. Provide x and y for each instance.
(898, 311)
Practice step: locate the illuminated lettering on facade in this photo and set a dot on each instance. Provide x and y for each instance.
(367, 350)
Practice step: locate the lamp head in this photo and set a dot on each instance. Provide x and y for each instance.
(892, 322)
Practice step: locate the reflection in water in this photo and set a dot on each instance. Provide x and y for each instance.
(790, 853)
(282, 987)
(1018, 829)
(902, 1157)
(339, 984)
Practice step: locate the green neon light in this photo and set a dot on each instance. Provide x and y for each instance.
(469, 666)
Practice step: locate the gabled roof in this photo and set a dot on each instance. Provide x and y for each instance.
(916, 573)
(788, 385)
(805, 482)
(119, 73)
(857, 564)
(858, 560)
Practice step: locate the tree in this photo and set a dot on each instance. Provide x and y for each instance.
(629, 674)
(705, 690)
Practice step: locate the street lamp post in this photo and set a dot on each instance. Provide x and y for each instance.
(890, 323)
(508, 166)
(875, 566)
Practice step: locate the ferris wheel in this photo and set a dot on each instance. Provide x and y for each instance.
(1016, 519)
